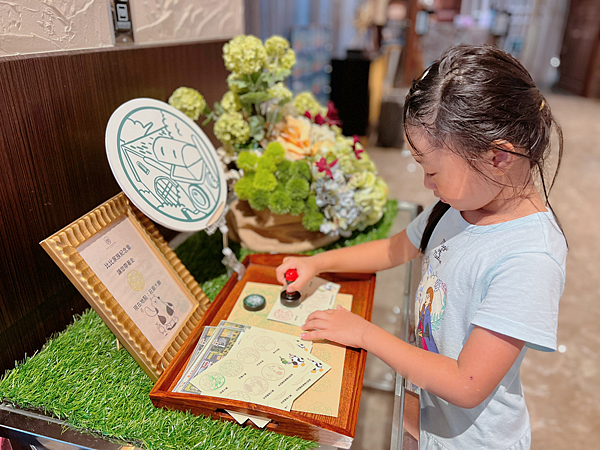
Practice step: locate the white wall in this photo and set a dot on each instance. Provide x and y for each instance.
(33, 26)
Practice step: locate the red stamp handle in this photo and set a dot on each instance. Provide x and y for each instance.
(291, 275)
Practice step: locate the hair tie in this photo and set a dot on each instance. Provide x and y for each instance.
(542, 105)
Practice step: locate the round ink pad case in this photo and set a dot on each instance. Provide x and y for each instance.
(254, 302)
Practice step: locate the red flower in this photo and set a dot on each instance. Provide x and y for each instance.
(307, 115)
(324, 167)
(319, 120)
(332, 114)
(357, 151)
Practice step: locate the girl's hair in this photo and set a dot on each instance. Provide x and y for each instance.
(474, 97)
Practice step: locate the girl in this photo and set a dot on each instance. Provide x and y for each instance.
(494, 254)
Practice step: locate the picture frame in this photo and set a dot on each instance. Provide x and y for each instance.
(120, 263)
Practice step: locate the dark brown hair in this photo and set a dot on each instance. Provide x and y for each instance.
(473, 96)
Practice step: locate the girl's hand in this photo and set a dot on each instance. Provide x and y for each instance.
(338, 325)
(305, 267)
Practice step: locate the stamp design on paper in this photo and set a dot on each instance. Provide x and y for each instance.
(283, 314)
(265, 343)
(256, 385)
(273, 372)
(211, 381)
(136, 280)
(248, 355)
(231, 368)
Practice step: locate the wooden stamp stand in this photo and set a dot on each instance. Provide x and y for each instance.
(336, 431)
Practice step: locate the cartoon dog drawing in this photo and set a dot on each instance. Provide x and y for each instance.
(296, 361)
(164, 312)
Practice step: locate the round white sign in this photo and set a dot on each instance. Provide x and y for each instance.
(165, 165)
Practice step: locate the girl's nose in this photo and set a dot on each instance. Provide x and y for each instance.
(429, 184)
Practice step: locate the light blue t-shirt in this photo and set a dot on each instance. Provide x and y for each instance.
(507, 278)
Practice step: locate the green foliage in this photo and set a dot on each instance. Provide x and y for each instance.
(301, 168)
(297, 207)
(264, 181)
(312, 220)
(311, 203)
(280, 202)
(284, 171)
(275, 151)
(266, 163)
(244, 187)
(297, 188)
(247, 161)
(257, 127)
(259, 199)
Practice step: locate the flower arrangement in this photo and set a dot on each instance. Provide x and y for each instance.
(287, 153)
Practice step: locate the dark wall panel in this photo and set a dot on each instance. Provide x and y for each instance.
(53, 168)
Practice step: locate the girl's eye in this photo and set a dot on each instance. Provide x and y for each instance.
(429, 174)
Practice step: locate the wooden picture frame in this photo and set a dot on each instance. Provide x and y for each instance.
(152, 340)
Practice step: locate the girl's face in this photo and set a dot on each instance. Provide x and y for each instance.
(452, 179)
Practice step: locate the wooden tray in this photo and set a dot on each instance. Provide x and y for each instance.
(336, 431)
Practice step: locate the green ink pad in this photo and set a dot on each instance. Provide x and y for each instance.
(254, 302)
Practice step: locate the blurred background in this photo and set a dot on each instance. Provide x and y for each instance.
(362, 55)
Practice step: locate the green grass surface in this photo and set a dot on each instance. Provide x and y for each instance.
(79, 375)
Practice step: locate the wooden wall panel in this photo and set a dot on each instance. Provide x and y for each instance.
(53, 167)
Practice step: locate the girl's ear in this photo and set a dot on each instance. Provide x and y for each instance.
(502, 154)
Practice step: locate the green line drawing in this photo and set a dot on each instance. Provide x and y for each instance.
(168, 162)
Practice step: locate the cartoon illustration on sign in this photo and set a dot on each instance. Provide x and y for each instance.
(164, 312)
(165, 164)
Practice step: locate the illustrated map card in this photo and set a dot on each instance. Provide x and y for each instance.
(147, 292)
(322, 298)
(324, 396)
(265, 367)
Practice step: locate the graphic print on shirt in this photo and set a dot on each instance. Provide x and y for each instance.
(430, 304)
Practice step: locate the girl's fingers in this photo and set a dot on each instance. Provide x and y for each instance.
(313, 335)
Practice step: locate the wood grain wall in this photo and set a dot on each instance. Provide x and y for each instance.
(53, 167)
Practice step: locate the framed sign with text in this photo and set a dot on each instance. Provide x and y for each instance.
(123, 267)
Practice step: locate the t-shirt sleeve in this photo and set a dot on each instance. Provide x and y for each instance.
(415, 229)
(522, 300)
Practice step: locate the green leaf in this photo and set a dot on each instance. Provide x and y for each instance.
(259, 136)
(218, 108)
(281, 74)
(254, 98)
(256, 122)
(284, 101)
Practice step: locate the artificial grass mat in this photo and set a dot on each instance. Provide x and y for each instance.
(79, 376)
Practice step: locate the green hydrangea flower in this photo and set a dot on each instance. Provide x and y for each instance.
(266, 163)
(280, 202)
(297, 207)
(283, 172)
(231, 129)
(311, 203)
(305, 101)
(231, 102)
(297, 188)
(264, 181)
(276, 152)
(244, 187)
(312, 220)
(288, 60)
(259, 200)
(301, 168)
(247, 161)
(280, 91)
(276, 46)
(189, 101)
(244, 54)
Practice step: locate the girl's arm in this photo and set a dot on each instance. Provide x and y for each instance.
(364, 258)
(466, 382)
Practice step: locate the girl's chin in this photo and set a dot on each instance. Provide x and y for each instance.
(442, 200)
